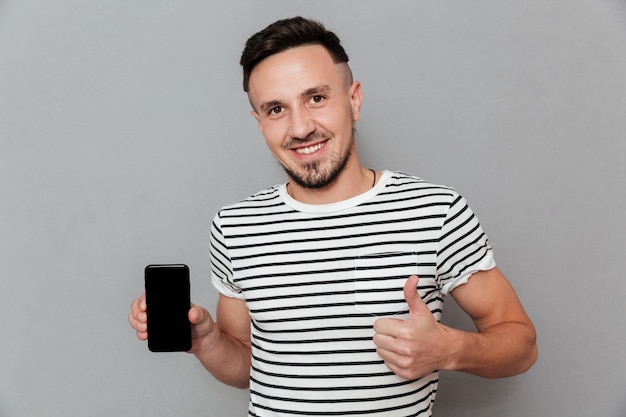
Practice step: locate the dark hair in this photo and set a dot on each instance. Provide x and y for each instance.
(284, 34)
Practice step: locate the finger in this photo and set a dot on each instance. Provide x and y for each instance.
(137, 324)
(138, 318)
(388, 326)
(138, 306)
(197, 315)
(417, 306)
(138, 312)
(202, 324)
(385, 342)
(139, 302)
(390, 357)
(141, 329)
(142, 302)
(395, 360)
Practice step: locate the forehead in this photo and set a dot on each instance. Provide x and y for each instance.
(293, 71)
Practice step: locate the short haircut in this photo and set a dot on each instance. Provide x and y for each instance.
(285, 34)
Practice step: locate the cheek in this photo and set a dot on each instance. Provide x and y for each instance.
(340, 116)
(342, 127)
(273, 135)
(336, 120)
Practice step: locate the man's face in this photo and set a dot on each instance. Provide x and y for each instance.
(306, 108)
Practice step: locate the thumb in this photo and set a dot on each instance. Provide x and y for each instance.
(197, 314)
(417, 307)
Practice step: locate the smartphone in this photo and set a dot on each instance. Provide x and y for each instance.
(168, 303)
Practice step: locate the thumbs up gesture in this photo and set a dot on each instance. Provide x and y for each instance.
(414, 347)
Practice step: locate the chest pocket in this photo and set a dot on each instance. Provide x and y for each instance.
(379, 280)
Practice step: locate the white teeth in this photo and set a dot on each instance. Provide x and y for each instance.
(310, 149)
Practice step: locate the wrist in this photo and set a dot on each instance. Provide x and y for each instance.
(457, 343)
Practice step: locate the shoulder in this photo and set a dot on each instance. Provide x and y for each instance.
(263, 198)
(399, 183)
(264, 202)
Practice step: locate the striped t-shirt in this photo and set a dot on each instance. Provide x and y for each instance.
(316, 277)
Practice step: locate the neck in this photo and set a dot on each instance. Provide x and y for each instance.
(351, 182)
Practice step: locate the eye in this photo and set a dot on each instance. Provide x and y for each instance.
(275, 110)
(317, 99)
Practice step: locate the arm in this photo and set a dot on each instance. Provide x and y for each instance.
(503, 345)
(505, 341)
(223, 347)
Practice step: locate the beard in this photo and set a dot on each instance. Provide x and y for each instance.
(317, 175)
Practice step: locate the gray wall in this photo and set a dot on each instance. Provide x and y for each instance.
(123, 128)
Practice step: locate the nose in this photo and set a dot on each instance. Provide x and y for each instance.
(301, 123)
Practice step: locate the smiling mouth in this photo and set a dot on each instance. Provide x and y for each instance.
(306, 150)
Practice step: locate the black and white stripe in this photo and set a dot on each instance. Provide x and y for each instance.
(315, 278)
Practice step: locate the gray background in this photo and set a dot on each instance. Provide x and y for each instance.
(123, 128)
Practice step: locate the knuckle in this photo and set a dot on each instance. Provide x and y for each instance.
(406, 352)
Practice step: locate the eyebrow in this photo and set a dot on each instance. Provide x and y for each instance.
(269, 105)
(320, 89)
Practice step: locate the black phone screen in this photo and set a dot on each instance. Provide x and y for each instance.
(168, 303)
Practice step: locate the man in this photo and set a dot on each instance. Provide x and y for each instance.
(331, 285)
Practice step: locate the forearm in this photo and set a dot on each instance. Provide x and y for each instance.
(226, 358)
(503, 350)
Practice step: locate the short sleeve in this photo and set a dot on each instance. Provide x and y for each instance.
(221, 265)
(463, 246)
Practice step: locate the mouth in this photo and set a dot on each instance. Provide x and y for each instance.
(307, 150)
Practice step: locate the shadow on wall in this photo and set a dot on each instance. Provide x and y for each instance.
(466, 395)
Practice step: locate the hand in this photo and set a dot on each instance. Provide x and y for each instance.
(138, 319)
(414, 347)
(199, 317)
(202, 325)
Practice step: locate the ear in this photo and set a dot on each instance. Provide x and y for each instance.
(356, 98)
(258, 119)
